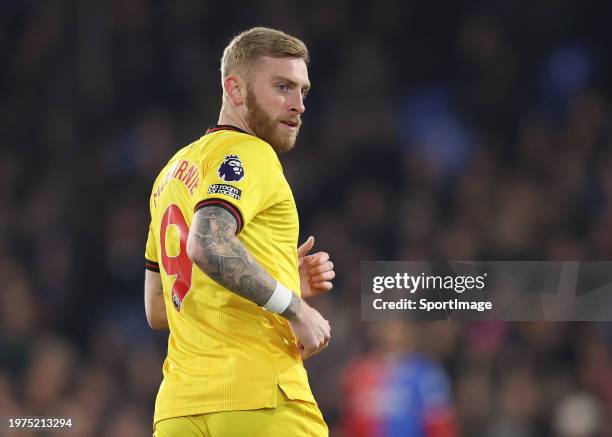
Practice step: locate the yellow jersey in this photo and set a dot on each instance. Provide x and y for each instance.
(225, 353)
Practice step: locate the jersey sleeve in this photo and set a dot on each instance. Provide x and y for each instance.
(151, 261)
(242, 179)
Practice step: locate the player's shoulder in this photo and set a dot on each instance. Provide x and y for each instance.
(247, 150)
(242, 142)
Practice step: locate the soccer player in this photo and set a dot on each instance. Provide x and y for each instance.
(238, 326)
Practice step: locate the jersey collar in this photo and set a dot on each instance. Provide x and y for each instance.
(219, 127)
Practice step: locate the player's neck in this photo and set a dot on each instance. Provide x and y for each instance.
(232, 119)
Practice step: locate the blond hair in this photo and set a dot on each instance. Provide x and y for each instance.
(246, 48)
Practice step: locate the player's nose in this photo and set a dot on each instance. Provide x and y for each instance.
(297, 104)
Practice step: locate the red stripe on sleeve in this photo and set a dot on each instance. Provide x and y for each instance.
(225, 205)
(151, 265)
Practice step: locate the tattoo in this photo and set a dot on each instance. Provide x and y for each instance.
(293, 309)
(225, 259)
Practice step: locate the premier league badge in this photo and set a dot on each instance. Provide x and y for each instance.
(231, 169)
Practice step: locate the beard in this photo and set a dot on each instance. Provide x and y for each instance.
(266, 127)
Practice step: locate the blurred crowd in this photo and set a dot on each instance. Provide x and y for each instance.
(467, 130)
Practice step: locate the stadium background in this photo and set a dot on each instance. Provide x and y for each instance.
(454, 129)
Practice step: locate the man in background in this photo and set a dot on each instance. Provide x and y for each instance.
(395, 391)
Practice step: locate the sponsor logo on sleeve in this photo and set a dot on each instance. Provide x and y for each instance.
(231, 168)
(226, 190)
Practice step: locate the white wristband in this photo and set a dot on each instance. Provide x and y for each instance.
(280, 299)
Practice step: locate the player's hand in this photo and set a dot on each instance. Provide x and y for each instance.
(316, 271)
(311, 329)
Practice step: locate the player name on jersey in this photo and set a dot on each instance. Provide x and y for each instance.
(184, 171)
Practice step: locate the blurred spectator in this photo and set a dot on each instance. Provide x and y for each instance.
(394, 390)
(578, 415)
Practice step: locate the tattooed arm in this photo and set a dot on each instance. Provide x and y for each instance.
(215, 249)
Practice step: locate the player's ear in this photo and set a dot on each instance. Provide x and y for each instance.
(233, 89)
